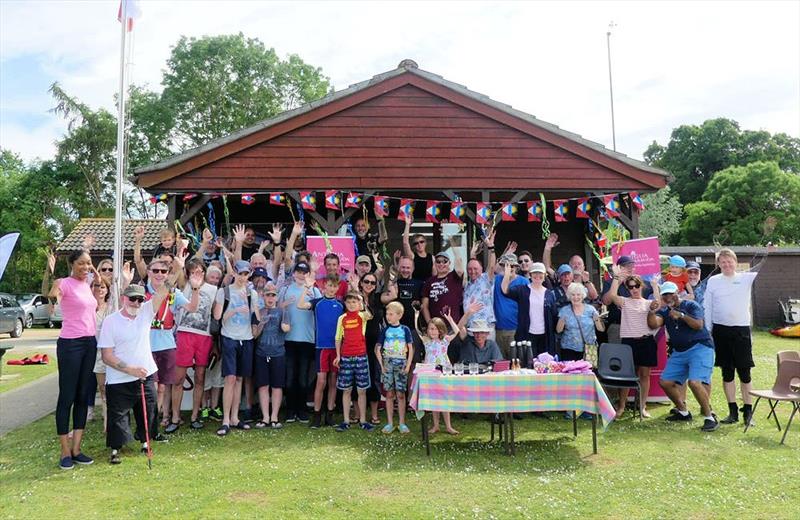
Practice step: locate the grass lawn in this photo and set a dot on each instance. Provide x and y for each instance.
(648, 470)
(16, 375)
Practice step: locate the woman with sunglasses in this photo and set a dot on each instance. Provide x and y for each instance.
(101, 290)
(634, 331)
(423, 262)
(374, 302)
(76, 351)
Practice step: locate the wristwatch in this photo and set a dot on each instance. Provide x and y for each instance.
(683, 315)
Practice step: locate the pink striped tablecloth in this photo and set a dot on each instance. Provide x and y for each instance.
(506, 392)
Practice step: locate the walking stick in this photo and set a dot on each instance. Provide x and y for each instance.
(146, 428)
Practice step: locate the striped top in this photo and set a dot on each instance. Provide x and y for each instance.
(634, 318)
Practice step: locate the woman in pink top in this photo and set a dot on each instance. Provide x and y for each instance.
(76, 351)
(633, 331)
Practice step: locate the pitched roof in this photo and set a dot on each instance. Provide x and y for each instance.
(405, 67)
(103, 231)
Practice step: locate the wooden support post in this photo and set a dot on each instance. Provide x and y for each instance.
(172, 208)
(193, 209)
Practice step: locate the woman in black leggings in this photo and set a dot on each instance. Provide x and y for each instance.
(76, 351)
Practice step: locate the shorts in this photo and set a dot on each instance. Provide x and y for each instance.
(193, 349)
(214, 377)
(325, 357)
(270, 371)
(394, 376)
(645, 350)
(353, 369)
(237, 357)
(733, 347)
(695, 364)
(165, 361)
(99, 366)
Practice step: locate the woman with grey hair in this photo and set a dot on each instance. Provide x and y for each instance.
(577, 323)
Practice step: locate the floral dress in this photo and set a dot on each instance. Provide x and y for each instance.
(436, 351)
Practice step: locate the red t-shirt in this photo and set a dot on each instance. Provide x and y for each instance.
(680, 280)
(350, 329)
(340, 293)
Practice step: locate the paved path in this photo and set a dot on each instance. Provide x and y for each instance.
(34, 400)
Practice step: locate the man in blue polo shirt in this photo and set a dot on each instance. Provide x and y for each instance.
(692, 356)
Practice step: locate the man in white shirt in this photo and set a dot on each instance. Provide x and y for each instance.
(125, 346)
(727, 316)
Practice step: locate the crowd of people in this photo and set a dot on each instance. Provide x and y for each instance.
(268, 329)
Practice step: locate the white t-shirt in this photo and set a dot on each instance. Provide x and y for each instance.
(536, 302)
(199, 321)
(727, 299)
(130, 339)
(237, 326)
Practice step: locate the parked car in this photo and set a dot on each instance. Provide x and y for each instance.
(12, 317)
(36, 307)
(55, 315)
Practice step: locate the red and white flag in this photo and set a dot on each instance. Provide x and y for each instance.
(128, 11)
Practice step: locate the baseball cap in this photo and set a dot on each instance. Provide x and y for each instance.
(443, 254)
(260, 271)
(563, 269)
(692, 265)
(677, 261)
(625, 260)
(134, 290)
(302, 267)
(270, 289)
(668, 288)
(537, 267)
(242, 266)
(363, 259)
(508, 258)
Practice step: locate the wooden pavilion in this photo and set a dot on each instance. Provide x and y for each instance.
(404, 133)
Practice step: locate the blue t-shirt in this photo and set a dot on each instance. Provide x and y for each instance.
(300, 320)
(681, 336)
(571, 337)
(394, 340)
(164, 339)
(327, 312)
(505, 308)
(270, 342)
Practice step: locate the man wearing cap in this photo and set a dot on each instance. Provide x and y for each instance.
(628, 267)
(579, 272)
(233, 306)
(363, 265)
(698, 286)
(563, 279)
(300, 340)
(444, 290)
(505, 308)
(125, 348)
(478, 287)
(692, 356)
(477, 347)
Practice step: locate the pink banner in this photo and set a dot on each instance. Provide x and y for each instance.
(644, 251)
(342, 246)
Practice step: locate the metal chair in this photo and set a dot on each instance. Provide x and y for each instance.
(785, 388)
(615, 369)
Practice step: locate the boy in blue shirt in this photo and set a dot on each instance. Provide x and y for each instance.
(395, 350)
(269, 370)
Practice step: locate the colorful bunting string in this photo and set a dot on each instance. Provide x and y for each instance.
(248, 198)
(534, 211)
(560, 210)
(332, 200)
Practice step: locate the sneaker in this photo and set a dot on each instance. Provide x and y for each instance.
(292, 417)
(204, 414)
(302, 417)
(216, 414)
(710, 425)
(389, 428)
(144, 448)
(730, 419)
(316, 422)
(402, 428)
(115, 458)
(80, 458)
(367, 427)
(343, 427)
(329, 418)
(66, 463)
(160, 438)
(678, 417)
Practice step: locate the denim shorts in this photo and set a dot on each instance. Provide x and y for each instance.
(695, 364)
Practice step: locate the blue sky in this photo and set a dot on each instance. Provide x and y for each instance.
(674, 62)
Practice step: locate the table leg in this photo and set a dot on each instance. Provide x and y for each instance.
(507, 423)
(425, 435)
(574, 423)
(594, 433)
(511, 427)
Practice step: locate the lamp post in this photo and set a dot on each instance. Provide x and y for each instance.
(611, 85)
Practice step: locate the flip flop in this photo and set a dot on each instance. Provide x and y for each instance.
(260, 425)
(223, 430)
(241, 425)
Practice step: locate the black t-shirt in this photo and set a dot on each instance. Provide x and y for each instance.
(423, 267)
(248, 251)
(409, 290)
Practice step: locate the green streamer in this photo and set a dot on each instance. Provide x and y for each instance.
(545, 222)
(227, 215)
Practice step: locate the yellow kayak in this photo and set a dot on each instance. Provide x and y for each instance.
(792, 331)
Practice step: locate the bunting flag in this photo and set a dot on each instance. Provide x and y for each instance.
(483, 213)
(308, 199)
(277, 198)
(248, 198)
(508, 212)
(161, 197)
(406, 209)
(457, 212)
(189, 196)
(534, 211)
(612, 205)
(353, 200)
(582, 210)
(332, 200)
(381, 207)
(432, 211)
(636, 200)
(560, 210)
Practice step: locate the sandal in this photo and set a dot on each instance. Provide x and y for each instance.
(172, 427)
(241, 425)
(223, 430)
(197, 424)
(260, 425)
(275, 425)
(375, 421)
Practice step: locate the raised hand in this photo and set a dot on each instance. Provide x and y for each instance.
(127, 273)
(489, 240)
(196, 280)
(298, 227)
(396, 256)
(616, 271)
(552, 241)
(138, 233)
(313, 264)
(511, 247)
(275, 234)
(473, 252)
(180, 260)
(238, 233)
(474, 307)
(508, 270)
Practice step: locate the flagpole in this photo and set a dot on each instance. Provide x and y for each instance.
(119, 252)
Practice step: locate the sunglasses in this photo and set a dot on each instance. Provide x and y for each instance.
(244, 273)
(97, 286)
(633, 286)
(443, 261)
(136, 299)
(106, 269)
(159, 271)
(418, 242)
(369, 282)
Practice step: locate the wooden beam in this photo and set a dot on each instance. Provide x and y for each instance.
(194, 208)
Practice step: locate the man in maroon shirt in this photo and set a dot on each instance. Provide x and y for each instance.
(444, 290)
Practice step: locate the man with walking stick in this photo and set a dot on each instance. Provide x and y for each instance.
(125, 346)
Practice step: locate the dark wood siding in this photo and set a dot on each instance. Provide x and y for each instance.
(407, 138)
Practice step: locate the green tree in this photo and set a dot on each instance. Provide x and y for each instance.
(695, 154)
(746, 205)
(662, 216)
(216, 85)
